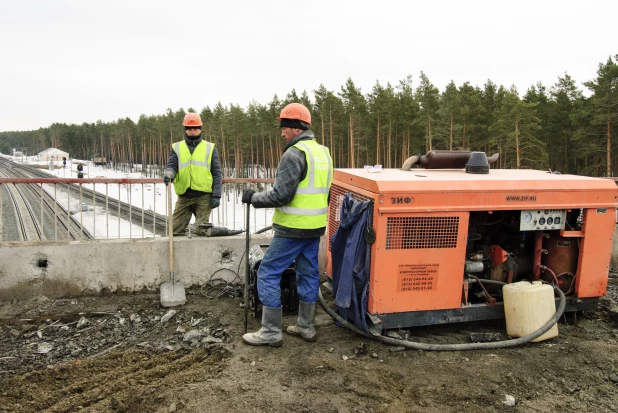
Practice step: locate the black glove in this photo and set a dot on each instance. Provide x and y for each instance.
(247, 194)
(215, 201)
(168, 176)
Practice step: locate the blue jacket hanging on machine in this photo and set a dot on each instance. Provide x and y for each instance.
(350, 261)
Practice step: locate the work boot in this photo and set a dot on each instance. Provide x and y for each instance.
(270, 333)
(304, 326)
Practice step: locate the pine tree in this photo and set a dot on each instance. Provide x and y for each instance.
(604, 106)
(470, 100)
(515, 133)
(428, 97)
(407, 117)
(355, 108)
(565, 98)
(450, 112)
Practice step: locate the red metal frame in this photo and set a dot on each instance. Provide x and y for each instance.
(120, 180)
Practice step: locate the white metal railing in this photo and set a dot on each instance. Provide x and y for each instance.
(140, 213)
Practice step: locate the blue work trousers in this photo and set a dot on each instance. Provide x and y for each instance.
(279, 256)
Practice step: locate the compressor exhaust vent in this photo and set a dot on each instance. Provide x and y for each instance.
(477, 164)
(404, 233)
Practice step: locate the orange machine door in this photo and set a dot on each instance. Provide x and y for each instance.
(595, 252)
(418, 262)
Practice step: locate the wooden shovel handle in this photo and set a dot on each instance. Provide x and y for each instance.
(247, 267)
(170, 227)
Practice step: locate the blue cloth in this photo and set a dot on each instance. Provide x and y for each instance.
(350, 262)
(279, 256)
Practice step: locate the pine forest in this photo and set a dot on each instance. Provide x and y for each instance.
(566, 127)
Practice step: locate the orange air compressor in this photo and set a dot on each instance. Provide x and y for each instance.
(440, 232)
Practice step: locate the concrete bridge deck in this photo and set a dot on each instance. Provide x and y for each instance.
(59, 268)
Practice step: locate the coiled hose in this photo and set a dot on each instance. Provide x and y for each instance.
(453, 347)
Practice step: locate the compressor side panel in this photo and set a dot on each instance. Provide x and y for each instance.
(595, 252)
(418, 261)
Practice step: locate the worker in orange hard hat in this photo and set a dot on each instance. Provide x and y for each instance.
(193, 166)
(300, 199)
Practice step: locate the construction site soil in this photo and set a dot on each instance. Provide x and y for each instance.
(126, 353)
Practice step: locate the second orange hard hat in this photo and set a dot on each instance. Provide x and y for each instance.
(296, 111)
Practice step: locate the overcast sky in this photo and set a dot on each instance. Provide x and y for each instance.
(76, 61)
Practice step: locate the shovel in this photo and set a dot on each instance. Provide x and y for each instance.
(172, 293)
(247, 269)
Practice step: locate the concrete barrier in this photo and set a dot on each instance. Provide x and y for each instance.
(56, 269)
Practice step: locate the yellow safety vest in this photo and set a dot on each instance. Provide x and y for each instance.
(308, 208)
(193, 168)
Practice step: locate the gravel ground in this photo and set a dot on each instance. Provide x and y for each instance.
(125, 353)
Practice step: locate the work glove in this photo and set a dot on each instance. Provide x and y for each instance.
(168, 176)
(215, 201)
(247, 194)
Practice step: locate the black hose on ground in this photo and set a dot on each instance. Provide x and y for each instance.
(259, 231)
(452, 347)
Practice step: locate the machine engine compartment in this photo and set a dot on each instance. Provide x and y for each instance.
(498, 249)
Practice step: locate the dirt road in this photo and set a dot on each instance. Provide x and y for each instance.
(125, 353)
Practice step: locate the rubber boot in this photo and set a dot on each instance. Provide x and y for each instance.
(304, 325)
(270, 333)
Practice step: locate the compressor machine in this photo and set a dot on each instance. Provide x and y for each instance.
(438, 231)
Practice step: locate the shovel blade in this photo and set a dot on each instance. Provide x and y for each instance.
(172, 294)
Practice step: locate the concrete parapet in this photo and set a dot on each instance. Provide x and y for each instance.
(56, 269)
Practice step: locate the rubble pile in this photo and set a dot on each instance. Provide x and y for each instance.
(52, 337)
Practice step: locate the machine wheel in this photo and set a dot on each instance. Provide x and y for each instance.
(570, 318)
(289, 294)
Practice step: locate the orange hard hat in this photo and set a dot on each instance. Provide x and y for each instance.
(296, 111)
(192, 119)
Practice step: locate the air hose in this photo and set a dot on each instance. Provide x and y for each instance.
(453, 347)
(259, 231)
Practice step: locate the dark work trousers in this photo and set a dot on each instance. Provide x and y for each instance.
(280, 254)
(185, 207)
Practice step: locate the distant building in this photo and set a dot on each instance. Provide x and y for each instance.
(52, 154)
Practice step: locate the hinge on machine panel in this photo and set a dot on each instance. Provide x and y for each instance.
(328, 285)
(374, 318)
(375, 325)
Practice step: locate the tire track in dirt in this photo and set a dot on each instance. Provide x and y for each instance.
(124, 382)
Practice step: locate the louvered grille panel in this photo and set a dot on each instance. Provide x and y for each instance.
(336, 199)
(421, 232)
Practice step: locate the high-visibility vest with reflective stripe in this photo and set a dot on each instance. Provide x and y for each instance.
(308, 208)
(193, 168)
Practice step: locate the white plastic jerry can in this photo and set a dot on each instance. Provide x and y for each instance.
(527, 307)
